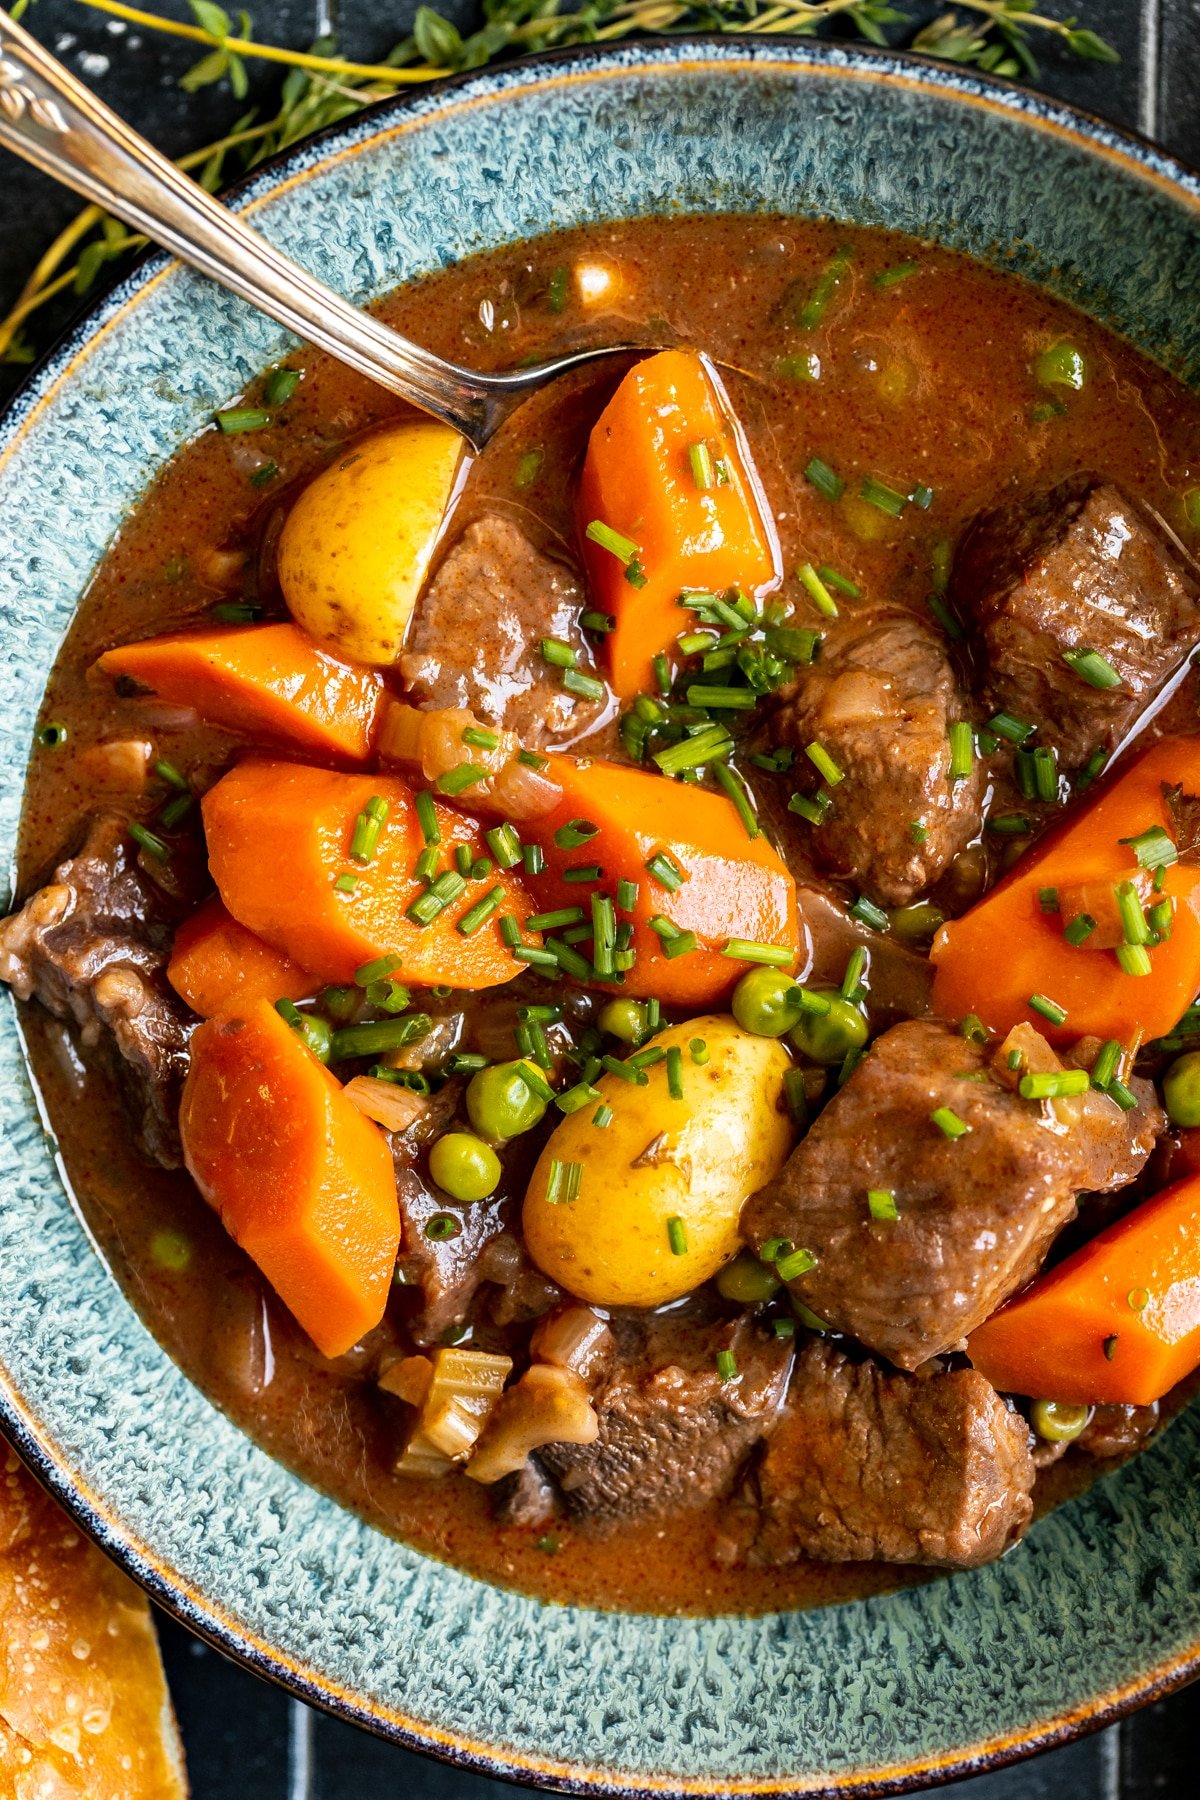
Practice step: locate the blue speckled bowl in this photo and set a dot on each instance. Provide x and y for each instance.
(1101, 1606)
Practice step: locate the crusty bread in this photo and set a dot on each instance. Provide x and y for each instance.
(84, 1709)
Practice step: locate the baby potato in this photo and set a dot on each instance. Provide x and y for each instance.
(356, 546)
(693, 1160)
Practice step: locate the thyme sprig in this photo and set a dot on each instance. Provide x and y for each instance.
(321, 87)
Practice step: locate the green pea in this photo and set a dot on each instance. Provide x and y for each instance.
(1181, 1089)
(464, 1166)
(1059, 1421)
(317, 1034)
(828, 1037)
(501, 1105)
(747, 1281)
(623, 1019)
(766, 1002)
(912, 923)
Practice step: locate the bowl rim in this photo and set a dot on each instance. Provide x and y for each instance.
(406, 108)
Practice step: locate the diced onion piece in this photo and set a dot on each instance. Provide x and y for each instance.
(400, 734)
(469, 1380)
(521, 793)
(393, 1107)
(433, 742)
(857, 698)
(409, 1378)
(547, 1406)
(119, 765)
(574, 1338)
(1037, 1057)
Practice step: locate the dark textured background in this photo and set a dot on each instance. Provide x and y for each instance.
(244, 1737)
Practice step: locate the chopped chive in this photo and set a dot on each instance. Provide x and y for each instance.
(820, 595)
(537, 959)
(604, 931)
(345, 883)
(725, 698)
(1125, 1098)
(442, 1226)
(574, 1099)
(1049, 1009)
(1161, 916)
(856, 965)
(528, 469)
(166, 771)
(1154, 848)
(505, 845)
(1007, 725)
(881, 1203)
(427, 817)
(426, 864)
(870, 915)
(602, 1117)
(379, 970)
(795, 1092)
(236, 612)
(379, 1036)
(1048, 901)
(677, 1235)
(1080, 929)
(234, 419)
(1061, 365)
(1058, 1084)
(480, 739)
(804, 366)
(698, 1050)
(147, 841)
(591, 620)
(973, 1029)
(662, 674)
(675, 1072)
(653, 1014)
(949, 1123)
(482, 910)
(886, 278)
(1009, 825)
(962, 750)
(945, 618)
(823, 478)
(884, 498)
(922, 496)
(558, 654)
(775, 956)
(1107, 1061)
(738, 794)
(726, 1365)
(437, 896)
(816, 808)
(51, 734)
(794, 644)
(700, 458)
(794, 1264)
(1134, 959)
(582, 872)
(281, 385)
(1133, 917)
(810, 314)
(1045, 774)
(462, 859)
(1093, 668)
(665, 872)
(534, 859)
(460, 778)
(707, 746)
(1093, 768)
(563, 1182)
(621, 547)
(574, 833)
(841, 584)
(824, 764)
(625, 1071)
(367, 827)
(176, 810)
(627, 894)
(586, 687)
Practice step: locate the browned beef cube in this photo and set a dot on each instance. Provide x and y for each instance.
(867, 1465)
(977, 1213)
(672, 1431)
(880, 699)
(92, 946)
(1079, 568)
(475, 638)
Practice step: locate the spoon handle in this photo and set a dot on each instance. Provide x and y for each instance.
(58, 124)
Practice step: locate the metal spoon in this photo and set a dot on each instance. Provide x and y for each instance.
(56, 123)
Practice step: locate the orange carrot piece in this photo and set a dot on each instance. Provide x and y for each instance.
(261, 679)
(732, 886)
(279, 837)
(1006, 949)
(1116, 1323)
(217, 964)
(638, 480)
(301, 1180)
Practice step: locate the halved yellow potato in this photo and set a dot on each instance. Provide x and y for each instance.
(661, 1188)
(356, 546)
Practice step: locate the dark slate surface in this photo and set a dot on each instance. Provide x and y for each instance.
(243, 1736)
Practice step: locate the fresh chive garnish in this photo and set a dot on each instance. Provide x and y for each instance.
(1161, 914)
(724, 698)
(973, 1029)
(1007, 725)
(584, 687)
(795, 644)
(856, 965)
(726, 1365)
(379, 970)
(774, 956)
(949, 1123)
(870, 915)
(281, 385)
(1080, 929)
(698, 1050)
(805, 365)
(824, 764)
(677, 1236)
(602, 1118)
(536, 959)
(480, 739)
(534, 858)
(817, 591)
(166, 771)
(884, 498)
(1049, 1009)
(922, 496)
(591, 620)
(1134, 959)
(175, 810)
(604, 931)
(345, 883)
(841, 584)
(795, 1263)
(1124, 1096)
(528, 469)
(460, 778)
(962, 750)
(810, 314)
(482, 910)
(816, 808)
(234, 419)
(1133, 918)
(558, 654)
(574, 833)
(583, 872)
(886, 278)
(505, 845)
(1045, 774)
(623, 548)
(881, 1204)
(370, 822)
(675, 1072)
(700, 458)
(1107, 1062)
(1009, 824)
(824, 479)
(147, 841)
(379, 1036)
(462, 860)
(1059, 1084)
(1094, 767)
(706, 747)
(426, 864)
(1093, 668)
(665, 871)
(563, 1182)
(437, 897)
(1154, 848)
(736, 791)
(795, 1092)
(623, 1072)
(1060, 365)
(627, 894)
(945, 618)
(1048, 901)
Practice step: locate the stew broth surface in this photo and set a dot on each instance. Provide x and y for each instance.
(921, 381)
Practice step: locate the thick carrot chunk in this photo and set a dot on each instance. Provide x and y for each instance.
(687, 853)
(217, 964)
(1007, 949)
(267, 680)
(1117, 1322)
(667, 470)
(279, 848)
(301, 1180)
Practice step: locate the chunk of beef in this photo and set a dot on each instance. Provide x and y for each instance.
(868, 1465)
(977, 1213)
(475, 639)
(880, 699)
(93, 947)
(1078, 568)
(527, 1497)
(672, 1433)
(1118, 1430)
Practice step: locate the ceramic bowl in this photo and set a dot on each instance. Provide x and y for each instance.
(1100, 1608)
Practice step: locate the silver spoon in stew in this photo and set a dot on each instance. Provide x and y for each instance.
(58, 124)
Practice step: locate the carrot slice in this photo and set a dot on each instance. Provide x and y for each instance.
(713, 879)
(1118, 1322)
(302, 1181)
(1006, 949)
(259, 679)
(638, 480)
(217, 964)
(279, 838)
